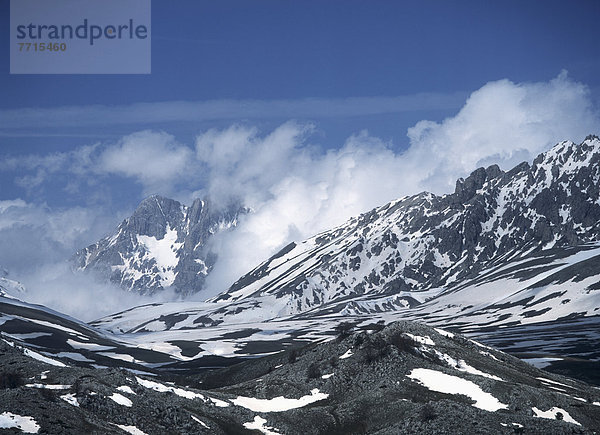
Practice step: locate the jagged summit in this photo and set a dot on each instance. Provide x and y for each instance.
(164, 244)
(466, 188)
(154, 215)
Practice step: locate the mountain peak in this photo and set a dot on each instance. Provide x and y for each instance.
(162, 244)
(153, 215)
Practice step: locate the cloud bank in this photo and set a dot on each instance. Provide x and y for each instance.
(294, 187)
(503, 123)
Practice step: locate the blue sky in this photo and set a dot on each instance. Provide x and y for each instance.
(331, 106)
(330, 50)
(270, 50)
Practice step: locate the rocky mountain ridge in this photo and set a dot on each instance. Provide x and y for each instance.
(425, 242)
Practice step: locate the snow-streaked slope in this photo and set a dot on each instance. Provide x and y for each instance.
(516, 294)
(59, 340)
(416, 246)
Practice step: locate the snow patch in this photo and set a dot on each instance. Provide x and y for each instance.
(74, 356)
(552, 412)
(219, 403)
(444, 333)
(89, 346)
(49, 386)
(156, 386)
(483, 352)
(121, 400)
(259, 424)
(30, 353)
(422, 340)
(70, 399)
(546, 380)
(164, 252)
(125, 389)
(462, 366)
(278, 404)
(443, 383)
(131, 429)
(196, 419)
(25, 424)
(348, 354)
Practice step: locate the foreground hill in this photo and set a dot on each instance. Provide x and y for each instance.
(404, 378)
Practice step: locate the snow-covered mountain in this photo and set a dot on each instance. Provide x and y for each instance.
(517, 249)
(491, 250)
(164, 244)
(429, 243)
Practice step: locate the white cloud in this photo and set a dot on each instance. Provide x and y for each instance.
(155, 159)
(30, 234)
(78, 162)
(503, 123)
(55, 285)
(238, 163)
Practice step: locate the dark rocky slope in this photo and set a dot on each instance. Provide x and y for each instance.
(373, 381)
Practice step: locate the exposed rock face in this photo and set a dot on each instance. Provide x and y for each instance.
(164, 244)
